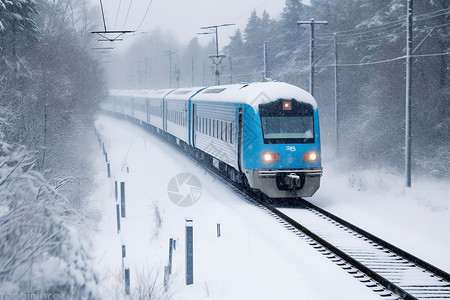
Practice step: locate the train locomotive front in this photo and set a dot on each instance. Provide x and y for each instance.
(281, 142)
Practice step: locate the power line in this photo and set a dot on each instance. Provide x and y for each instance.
(250, 10)
(148, 8)
(117, 15)
(362, 64)
(126, 18)
(382, 61)
(356, 31)
(432, 54)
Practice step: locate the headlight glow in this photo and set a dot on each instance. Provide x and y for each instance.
(310, 156)
(271, 157)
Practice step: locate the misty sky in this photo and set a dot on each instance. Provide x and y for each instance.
(185, 17)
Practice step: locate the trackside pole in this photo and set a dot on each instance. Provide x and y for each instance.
(189, 251)
(170, 255)
(118, 217)
(122, 198)
(116, 194)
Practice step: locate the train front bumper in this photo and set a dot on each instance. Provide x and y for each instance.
(288, 183)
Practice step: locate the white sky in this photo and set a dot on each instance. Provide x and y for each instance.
(185, 17)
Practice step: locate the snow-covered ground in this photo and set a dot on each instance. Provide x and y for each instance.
(255, 257)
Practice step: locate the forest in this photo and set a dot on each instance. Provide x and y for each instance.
(50, 87)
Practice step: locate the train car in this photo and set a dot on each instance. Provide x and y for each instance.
(140, 107)
(123, 102)
(176, 104)
(108, 104)
(267, 131)
(156, 108)
(264, 135)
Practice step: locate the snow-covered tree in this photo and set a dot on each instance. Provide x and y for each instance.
(41, 251)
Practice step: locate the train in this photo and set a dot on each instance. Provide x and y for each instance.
(262, 135)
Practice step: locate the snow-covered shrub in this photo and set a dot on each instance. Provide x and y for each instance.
(41, 252)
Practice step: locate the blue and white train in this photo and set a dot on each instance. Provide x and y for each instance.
(263, 135)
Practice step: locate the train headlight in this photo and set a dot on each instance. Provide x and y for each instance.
(310, 156)
(271, 157)
(287, 105)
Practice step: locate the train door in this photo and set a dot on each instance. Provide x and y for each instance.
(193, 123)
(240, 138)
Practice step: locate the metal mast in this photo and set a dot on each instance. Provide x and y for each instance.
(408, 93)
(169, 53)
(217, 59)
(311, 22)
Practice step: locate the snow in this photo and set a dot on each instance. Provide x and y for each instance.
(415, 219)
(255, 93)
(255, 257)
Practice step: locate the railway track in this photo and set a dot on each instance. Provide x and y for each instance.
(389, 271)
(386, 269)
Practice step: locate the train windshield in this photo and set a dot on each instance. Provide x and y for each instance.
(287, 122)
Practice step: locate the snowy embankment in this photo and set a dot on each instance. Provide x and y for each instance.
(255, 257)
(415, 219)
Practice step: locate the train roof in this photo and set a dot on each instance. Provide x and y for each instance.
(248, 93)
(183, 93)
(254, 93)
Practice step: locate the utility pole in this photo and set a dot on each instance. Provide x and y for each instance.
(231, 69)
(169, 53)
(266, 58)
(336, 99)
(311, 22)
(408, 93)
(192, 70)
(217, 59)
(177, 75)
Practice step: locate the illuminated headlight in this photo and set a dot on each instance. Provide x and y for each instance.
(271, 157)
(310, 156)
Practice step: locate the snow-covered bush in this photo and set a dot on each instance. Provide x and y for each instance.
(41, 252)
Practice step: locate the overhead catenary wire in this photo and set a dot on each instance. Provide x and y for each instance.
(128, 12)
(384, 26)
(382, 61)
(145, 15)
(117, 14)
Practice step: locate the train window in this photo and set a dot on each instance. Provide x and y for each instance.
(210, 127)
(219, 131)
(231, 133)
(287, 126)
(225, 131)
